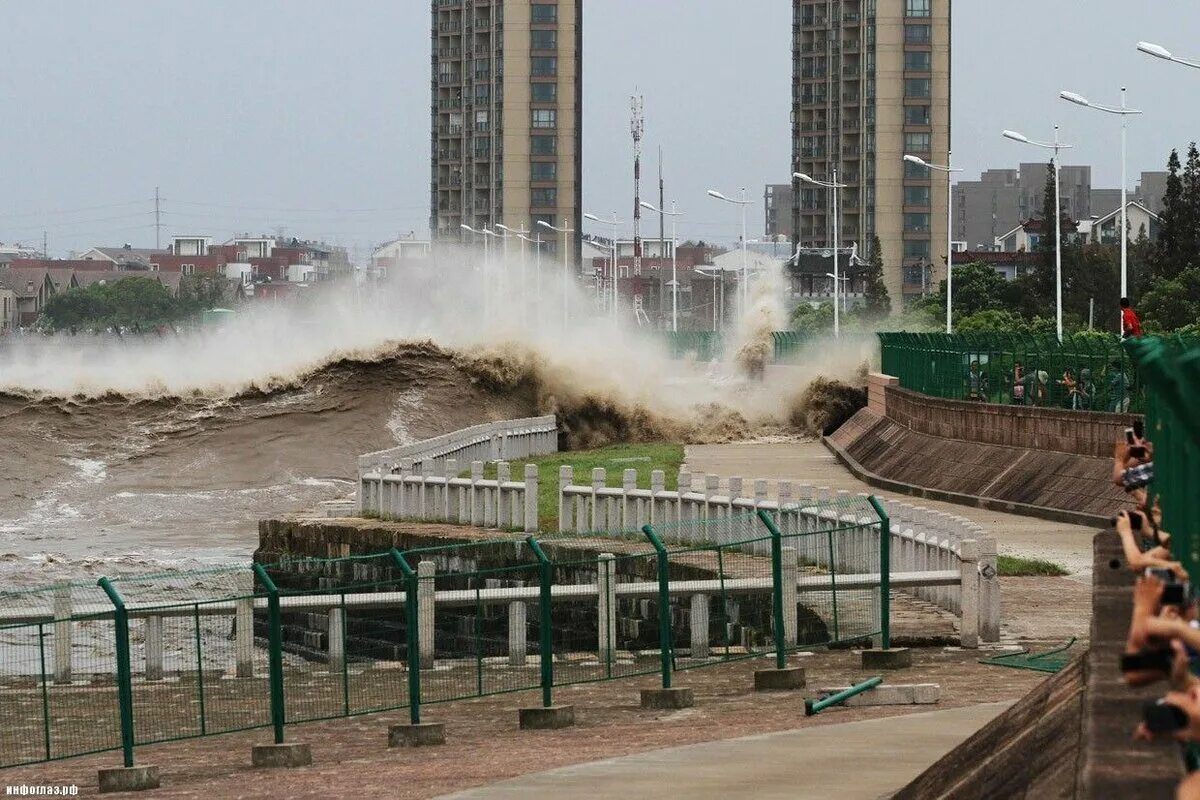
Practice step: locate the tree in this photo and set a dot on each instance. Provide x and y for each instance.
(1191, 207)
(977, 287)
(1169, 252)
(1172, 303)
(878, 305)
(126, 302)
(204, 291)
(807, 319)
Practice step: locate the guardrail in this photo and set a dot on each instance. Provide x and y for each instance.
(505, 440)
(496, 503)
(924, 542)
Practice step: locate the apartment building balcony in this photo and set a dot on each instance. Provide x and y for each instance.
(812, 99)
(810, 72)
(851, 46)
(449, 155)
(851, 124)
(449, 52)
(481, 24)
(450, 102)
(812, 152)
(448, 3)
(448, 79)
(449, 27)
(851, 97)
(851, 71)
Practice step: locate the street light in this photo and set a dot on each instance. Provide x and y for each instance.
(1158, 51)
(949, 224)
(1122, 112)
(487, 291)
(834, 185)
(844, 280)
(613, 223)
(674, 261)
(717, 274)
(565, 231)
(1055, 146)
(743, 203)
(520, 234)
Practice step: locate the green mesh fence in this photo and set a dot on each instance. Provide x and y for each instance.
(709, 345)
(1171, 371)
(1084, 372)
(155, 658)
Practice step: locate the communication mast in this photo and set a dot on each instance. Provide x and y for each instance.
(637, 127)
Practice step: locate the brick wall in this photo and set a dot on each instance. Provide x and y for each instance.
(1079, 433)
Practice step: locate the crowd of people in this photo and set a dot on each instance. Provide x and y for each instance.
(1164, 633)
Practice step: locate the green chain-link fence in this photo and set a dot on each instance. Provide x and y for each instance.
(1170, 369)
(709, 345)
(1084, 372)
(136, 660)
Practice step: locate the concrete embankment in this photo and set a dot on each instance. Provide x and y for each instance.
(1042, 462)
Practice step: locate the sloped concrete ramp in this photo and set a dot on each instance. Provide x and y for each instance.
(1045, 483)
(860, 760)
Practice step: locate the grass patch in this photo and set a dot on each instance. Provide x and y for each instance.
(616, 459)
(1020, 567)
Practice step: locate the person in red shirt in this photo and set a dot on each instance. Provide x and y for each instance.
(1130, 324)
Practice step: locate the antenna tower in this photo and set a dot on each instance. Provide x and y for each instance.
(637, 127)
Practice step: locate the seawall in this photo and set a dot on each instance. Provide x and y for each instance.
(1044, 462)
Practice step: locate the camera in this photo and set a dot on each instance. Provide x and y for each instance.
(1175, 592)
(1129, 436)
(1157, 659)
(1163, 717)
(1135, 519)
(1137, 451)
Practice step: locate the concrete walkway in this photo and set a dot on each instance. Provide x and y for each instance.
(810, 462)
(866, 759)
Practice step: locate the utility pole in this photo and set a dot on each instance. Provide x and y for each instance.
(662, 236)
(637, 127)
(157, 220)
(45, 251)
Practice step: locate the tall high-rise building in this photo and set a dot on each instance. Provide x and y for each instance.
(871, 83)
(507, 122)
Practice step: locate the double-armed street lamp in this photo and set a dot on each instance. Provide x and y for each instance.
(566, 232)
(743, 202)
(835, 186)
(673, 214)
(1055, 146)
(1122, 111)
(947, 168)
(613, 223)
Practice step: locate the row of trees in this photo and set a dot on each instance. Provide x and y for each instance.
(1164, 278)
(133, 302)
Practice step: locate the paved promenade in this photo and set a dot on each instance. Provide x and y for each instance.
(866, 759)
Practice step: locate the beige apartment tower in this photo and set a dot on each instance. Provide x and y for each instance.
(871, 83)
(507, 118)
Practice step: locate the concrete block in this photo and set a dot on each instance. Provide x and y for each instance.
(890, 695)
(675, 697)
(891, 658)
(546, 718)
(289, 754)
(128, 779)
(779, 680)
(422, 734)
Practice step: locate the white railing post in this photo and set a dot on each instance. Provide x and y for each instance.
(426, 597)
(478, 503)
(566, 477)
(606, 594)
(599, 481)
(658, 485)
(531, 498)
(629, 515)
(154, 648)
(518, 646)
(989, 591)
(337, 638)
(504, 504)
(790, 572)
(244, 638)
(699, 626)
(62, 634)
(454, 505)
(969, 614)
(403, 504)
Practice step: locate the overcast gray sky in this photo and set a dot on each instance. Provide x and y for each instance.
(313, 115)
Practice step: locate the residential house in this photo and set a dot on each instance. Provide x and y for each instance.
(1010, 264)
(1107, 229)
(1027, 236)
(124, 258)
(397, 253)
